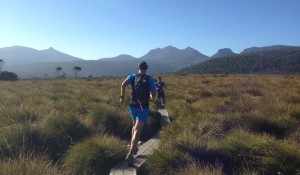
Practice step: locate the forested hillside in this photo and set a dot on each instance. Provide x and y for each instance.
(276, 61)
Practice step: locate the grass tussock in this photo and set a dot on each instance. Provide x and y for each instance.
(19, 138)
(95, 155)
(109, 120)
(61, 132)
(165, 161)
(29, 164)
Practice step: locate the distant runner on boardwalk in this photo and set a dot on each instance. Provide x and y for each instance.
(160, 86)
(141, 85)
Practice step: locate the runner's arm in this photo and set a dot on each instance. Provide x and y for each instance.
(153, 89)
(125, 83)
(123, 86)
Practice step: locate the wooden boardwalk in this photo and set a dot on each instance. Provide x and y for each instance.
(145, 150)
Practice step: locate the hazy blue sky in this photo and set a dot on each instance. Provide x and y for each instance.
(93, 29)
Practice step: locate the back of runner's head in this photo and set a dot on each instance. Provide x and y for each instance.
(143, 66)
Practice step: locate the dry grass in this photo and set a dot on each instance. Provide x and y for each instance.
(54, 117)
(233, 124)
(248, 123)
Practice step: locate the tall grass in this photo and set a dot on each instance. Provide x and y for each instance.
(247, 123)
(232, 124)
(198, 169)
(52, 117)
(28, 165)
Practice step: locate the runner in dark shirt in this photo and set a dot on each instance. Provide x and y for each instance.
(160, 87)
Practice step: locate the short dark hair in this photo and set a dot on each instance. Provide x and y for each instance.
(143, 65)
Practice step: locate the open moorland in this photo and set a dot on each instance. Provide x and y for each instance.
(221, 124)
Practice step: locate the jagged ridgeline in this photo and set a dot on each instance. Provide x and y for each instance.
(266, 60)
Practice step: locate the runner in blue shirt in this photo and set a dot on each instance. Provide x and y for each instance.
(141, 86)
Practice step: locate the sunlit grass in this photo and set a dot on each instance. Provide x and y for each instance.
(95, 155)
(243, 121)
(30, 164)
(232, 124)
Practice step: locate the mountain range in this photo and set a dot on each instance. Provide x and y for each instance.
(28, 62)
(266, 60)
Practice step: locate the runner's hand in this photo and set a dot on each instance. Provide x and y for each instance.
(121, 101)
(151, 98)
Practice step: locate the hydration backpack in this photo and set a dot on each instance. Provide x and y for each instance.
(140, 91)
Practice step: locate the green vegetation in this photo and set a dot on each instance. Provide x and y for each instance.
(95, 155)
(30, 164)
(8, 76)
(221, 124)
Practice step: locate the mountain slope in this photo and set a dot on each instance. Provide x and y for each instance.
(122, 57)
(25, 55)
(261, 49)
(56, 56)
(274, 61)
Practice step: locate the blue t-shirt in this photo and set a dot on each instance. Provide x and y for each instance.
(130, 80)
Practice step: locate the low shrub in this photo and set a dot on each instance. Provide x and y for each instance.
(95, 155)
(8, 76)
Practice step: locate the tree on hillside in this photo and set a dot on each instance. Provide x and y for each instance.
(1, 64)
(76, 70)
(58, 70)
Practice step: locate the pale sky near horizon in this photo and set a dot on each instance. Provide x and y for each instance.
(93, 29)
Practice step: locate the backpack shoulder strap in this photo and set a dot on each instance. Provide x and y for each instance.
(133, 82)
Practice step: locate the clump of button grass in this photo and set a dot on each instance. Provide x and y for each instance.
(165, 161)
(19, 138)
(62, 131)
(261, 152)
(30, 164)
(107, 119)
(95, 155)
